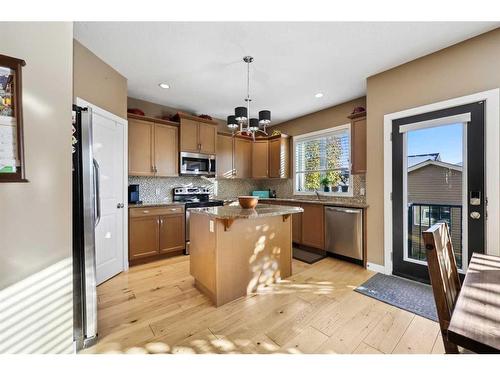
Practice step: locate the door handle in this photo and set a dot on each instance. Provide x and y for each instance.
(97, 195)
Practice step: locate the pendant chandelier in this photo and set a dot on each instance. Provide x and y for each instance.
(240, 122)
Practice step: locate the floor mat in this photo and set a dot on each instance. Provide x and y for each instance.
(307, 256)
(406, 294)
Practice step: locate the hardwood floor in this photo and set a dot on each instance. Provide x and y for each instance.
(155, 308)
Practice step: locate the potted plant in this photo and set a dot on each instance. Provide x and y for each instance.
(344, 186)
(325, 181)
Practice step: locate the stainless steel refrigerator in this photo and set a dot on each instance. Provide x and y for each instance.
(86, 214)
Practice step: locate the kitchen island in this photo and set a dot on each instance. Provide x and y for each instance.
(236, 251)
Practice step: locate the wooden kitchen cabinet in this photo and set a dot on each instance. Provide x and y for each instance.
(140, 148)
(224, 158)
(242, 157)
(152, 147)
(143, 237)
(279, 157)
(313, 225)
(166, 150)
(155, 232)
(189, 136)
(197, 135)
(172, 233)
(297, 227)
(358, 143)
(260, 158)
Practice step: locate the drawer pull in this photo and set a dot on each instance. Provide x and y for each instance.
(145, 212)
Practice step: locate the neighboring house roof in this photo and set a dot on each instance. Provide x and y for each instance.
(417, 159)
(437, 163)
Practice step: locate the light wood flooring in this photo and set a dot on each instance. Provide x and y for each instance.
(155, 308)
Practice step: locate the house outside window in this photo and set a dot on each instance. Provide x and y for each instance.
(321, 154)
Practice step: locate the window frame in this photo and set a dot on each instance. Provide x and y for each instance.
(297, 138)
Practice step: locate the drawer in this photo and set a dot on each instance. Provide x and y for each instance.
(155, 211)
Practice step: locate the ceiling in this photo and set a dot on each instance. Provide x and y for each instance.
(202, 62)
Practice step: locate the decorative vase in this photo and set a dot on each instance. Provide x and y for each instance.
(345, 188)
(326, 189)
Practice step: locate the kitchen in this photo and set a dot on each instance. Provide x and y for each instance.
(255, 191)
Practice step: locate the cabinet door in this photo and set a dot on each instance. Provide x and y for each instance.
(313, 226)
(260, 161)
(166, 151)
(172, 233)
(242, 158)
(224, 161)
(143, 237)
(279, 157)
(189, 136)
(140, 148)
(297, 227)
(358, 145)
(207, 138)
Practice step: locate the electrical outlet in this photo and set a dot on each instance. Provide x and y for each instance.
(157, 191)
(211, 226)
(362, 191)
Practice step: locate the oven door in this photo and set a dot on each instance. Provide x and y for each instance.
(197, 164)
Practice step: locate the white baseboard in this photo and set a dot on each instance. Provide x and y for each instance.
(375, 267)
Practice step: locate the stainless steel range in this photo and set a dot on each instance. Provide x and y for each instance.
(194, 197)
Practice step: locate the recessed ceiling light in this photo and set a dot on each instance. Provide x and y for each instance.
(319, 95)
(164, 85)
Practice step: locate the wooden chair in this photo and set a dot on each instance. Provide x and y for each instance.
(443, 273)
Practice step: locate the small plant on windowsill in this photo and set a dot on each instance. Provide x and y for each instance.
(344, 187)
(327, 183)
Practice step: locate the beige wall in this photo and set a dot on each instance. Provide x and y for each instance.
(324, 119)
(97, 82)
(459, 70)
(159, 110)
(35, 217)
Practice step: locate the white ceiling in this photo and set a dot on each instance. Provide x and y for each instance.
(202, 62)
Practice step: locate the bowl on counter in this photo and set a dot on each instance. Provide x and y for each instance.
(248, 201)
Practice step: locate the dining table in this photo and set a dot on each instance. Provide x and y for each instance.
(475, 322)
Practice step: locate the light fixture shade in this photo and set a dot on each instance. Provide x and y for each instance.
(241, 113)
(265, 117)
(254, 124)
(231, 122)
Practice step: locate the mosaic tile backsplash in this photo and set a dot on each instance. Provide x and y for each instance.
(159, 189)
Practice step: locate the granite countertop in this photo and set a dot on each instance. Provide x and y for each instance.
(236, 212)
(324, 202)
(155, 204)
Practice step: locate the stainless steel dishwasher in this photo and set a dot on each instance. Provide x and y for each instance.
(344, 231)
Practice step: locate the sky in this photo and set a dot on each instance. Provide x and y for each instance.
(447, 140)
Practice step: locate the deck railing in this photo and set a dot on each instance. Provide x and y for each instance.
(423, 215)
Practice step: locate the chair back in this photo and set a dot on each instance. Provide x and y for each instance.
(443, 273)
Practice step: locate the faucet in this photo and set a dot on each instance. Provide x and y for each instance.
(317, 194)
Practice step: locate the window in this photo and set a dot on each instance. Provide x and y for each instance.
(323, 154)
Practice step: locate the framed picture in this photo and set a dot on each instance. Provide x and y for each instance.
(11, 120)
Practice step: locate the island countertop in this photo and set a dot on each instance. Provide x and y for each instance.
(236, 212)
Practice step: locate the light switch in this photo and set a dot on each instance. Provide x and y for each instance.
(211, 226)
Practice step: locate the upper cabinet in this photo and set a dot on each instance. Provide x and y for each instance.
(197, 135)
(279, 156)
(260, 158)
(140, 148)
(358, 143)
(242, 157)
(152, 147)
(224, 158)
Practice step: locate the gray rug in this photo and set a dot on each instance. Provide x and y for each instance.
(306, 256)
(406, 294)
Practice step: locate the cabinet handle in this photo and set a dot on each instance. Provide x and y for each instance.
(161, 221)
(145, 212)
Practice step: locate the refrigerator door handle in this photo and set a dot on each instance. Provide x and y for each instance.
(97, 181)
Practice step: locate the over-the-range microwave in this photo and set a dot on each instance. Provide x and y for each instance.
(197, 164)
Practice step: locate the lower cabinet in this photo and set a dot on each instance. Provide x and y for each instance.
(172, 233)
(155, 231)
(313, 225)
